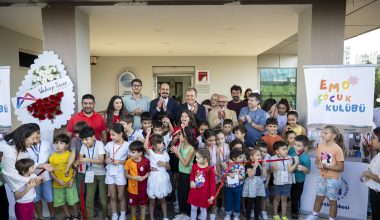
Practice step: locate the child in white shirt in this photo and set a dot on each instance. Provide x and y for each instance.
(24, 208)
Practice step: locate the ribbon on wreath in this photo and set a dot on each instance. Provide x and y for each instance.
(230, 165)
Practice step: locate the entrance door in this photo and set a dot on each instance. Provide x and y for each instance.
(178, 78)
(178, 85)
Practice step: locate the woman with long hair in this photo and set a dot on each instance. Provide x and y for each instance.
(14, 147)
(115, 112)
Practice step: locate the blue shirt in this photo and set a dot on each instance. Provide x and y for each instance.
(259, 117)
(132, 104)
(304, 161)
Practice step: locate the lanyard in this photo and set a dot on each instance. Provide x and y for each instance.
(36, 151)
(283, 163)
(113, 149)
(221, 149)
(130, 138)
(93, 152)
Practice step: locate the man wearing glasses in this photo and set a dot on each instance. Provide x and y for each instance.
(136, 103)
(217, 115)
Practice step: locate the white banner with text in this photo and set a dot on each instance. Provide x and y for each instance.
(341, 95)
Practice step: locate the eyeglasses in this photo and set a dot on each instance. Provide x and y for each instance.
(136, 85)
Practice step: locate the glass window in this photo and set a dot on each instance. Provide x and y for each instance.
(278, 83)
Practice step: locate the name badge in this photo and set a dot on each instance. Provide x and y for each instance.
(232, 181)
(284, 176)
(89, 178)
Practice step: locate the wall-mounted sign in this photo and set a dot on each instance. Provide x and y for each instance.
(202, 77)
(124, 82)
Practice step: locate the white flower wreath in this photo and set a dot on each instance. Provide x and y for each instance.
(47, 67)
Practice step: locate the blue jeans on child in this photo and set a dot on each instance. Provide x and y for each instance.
(232, 196)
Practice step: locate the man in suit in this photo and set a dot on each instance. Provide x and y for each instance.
(192, 105)
(163, 103)
(217, 115)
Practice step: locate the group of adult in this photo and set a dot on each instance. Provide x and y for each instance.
(248, 111)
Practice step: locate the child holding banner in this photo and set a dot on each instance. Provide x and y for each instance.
(330, 161)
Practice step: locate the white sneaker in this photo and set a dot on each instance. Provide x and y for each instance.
(264, 214)
(123, 217)
(311, 217)
(252, 214)
(165, 219)
(115, 217)
(236, 218)
(227, 217)
(176, 208)
(212, 216)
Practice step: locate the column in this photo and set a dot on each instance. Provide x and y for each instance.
(320, 42)
(66, 32)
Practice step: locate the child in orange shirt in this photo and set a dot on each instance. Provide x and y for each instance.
(137, 169)
(272, 136)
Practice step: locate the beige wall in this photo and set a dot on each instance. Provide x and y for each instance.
(10, 44)
(277, 61)
(224, 72)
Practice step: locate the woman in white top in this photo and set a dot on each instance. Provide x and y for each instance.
(371, 177)
(14, 147)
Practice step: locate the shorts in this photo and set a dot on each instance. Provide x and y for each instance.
(119, 180)
(44, 191)
(328, 187)
(139, 199)
(67, 195)
(281, 190)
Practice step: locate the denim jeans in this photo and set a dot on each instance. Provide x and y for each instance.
(232, 196)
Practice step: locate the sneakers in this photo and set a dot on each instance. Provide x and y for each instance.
(264, 215)
(123, 217)
(227, 217)
(176, 208)
(284, 218)
(311, 217)
(276, 217)
(236, 218)
(252, 215)
(115, 217)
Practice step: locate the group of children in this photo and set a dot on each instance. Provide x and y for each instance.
(198, 165)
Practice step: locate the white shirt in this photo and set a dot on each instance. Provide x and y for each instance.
(154, 158)
(11, 176)
(166, 141)
(94, 153)
(282, 167)
(200, 142)
(40, 154)
(116, 152)
(136, 135)
(374, 167)
(30, 195)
